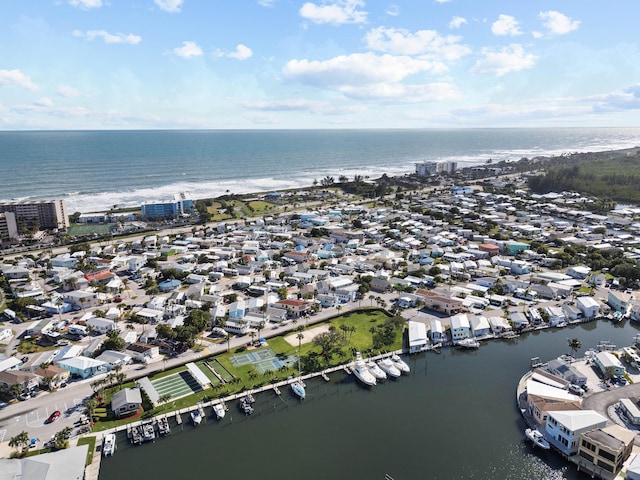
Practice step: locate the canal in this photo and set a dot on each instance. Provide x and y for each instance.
(454, 417)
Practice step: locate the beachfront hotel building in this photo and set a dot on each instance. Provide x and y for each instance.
(48, 214)
(180, 205)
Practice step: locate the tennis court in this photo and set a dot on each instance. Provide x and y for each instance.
(263, 360)
(177, 385)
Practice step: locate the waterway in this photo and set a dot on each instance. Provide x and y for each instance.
(454, 417)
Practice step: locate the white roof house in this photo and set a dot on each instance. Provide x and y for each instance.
(417, 337)
(564, 427)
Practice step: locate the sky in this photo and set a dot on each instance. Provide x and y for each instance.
(286, 64)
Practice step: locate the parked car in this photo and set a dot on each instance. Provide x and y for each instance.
(24, 396)
(53, 417)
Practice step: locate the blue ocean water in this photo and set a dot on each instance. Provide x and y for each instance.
(93, 170)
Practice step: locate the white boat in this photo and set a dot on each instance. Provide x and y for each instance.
(400, 364)
(361, 371)
(537, 438)
(389, 368)
(196, 417)
(219, 410)
(375, 370)
(468, 343)
(109, 444)
(298, 389)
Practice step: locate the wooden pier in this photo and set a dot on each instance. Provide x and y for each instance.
(178, 418)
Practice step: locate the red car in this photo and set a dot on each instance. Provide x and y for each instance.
(53, 417)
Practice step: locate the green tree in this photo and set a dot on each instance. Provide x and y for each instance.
(20, 441)
(574, 345)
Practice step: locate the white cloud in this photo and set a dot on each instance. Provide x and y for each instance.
(423, 42)
(86, 4)
(393, 10)
(107, 37)
(302, 105)
(242, 52)
(171, 6)
(43, 102)
(457, 22)
(187, 50)
(557, 23)
(336, 13)
(500, 62)
(403, 93)
(506, 25)
(67, 91)
(355, 69)
(266, 3)
(15, 78)
(442, 1)
(620, 100)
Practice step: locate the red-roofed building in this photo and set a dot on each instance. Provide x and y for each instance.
(99, 276)
(489, 248)
(295, 308)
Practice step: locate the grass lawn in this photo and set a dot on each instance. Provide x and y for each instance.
(89, 228)
(260, 207)
(246, 377)
(91, 441)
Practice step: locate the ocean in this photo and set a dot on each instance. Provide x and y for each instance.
(95, 170)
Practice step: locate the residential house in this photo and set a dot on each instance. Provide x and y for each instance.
(556, 315)
(564, 428)
(81, 299)
(589, 306)
(579, 272)
(500, 325)
(114, 359)
(608, 364)
(126, 402)
(294, 308)
(519, 320)
(84, 367)
(619, 301)
(101, 325)
(418, 340)
(142, 352)
(460, 327)
(26, 381)
(566, 371)
(52, 377)
(437, 332)
(480, 326)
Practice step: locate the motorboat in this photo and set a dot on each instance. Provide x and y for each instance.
(219, 410)
(362, 373)
(298, 389)
(196, 417)
(148, 432)
(245, 405)
(389, 367)
(163, 426)
(468, 343)
(537, 438)
(109, 444)
(400, 364)
(375, 370)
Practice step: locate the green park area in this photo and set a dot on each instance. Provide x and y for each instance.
(320, 346)
(81, 229)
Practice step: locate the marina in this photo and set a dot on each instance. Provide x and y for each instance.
(428, 395)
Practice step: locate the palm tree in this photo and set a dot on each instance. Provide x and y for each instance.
(19, 441)
(164, 398)
(91, 406)
(371, 299)
(575, 345)
(252, 334)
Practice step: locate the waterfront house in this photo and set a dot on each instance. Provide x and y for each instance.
(460, 327)
(567, 372)
(564, 428)
(619, 301)
(500, 325)
(556, 315)
(608, 364)
(437, 332)
(605, 449)
(417, 333)
(480, 326)
(539, 407)
(126, 402)
(589, 306)
(440, 302)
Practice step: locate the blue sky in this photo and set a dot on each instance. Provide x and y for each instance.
(230, 64)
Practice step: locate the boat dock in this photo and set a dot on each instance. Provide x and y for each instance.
(178, 418)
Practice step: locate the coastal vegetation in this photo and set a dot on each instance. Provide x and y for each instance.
(611, 180)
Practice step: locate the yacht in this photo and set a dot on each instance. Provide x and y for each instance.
(219, 410)
(196, 417)
(375, 370)
(298, 389)
(537, 438)
(468, 343)
(245, 405)
(361, 371)
(400, 364)
(389, 368)
(163, 426)
(109, 444)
